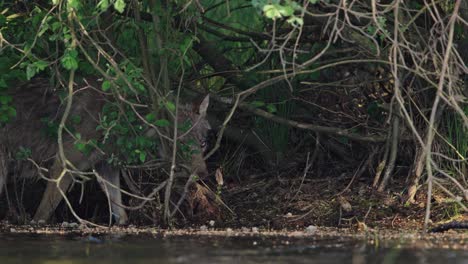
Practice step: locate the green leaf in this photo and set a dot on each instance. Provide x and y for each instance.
(106, 85)
(295, 6)
(185, 126)
(55, 26)
(257, 103)
(271, 108)
(103, 5)
(75, 119)
(30, 71)
(41, 65)
(5, 99)
(315, 75)
(286, 11)
(371, 29)
(43, 29)
(3, 20)
(343, 140)
(162, 123)
(141, 141)
(150, 117)
(271, 11)
(3, 84)
(33, 68)
(295, 21)
(142, 156)
(75, 4)
(69, 63)
(314, 1)
(80, 146)
(129, 145)
(119, 5)
(170, 106)
(186, 44)
(69, 60)
(11, 111)
(23, 153)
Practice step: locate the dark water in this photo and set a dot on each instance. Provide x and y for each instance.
(51, 249)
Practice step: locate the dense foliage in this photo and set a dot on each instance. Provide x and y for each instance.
(355, 87)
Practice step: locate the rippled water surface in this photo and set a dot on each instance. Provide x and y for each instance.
(136, 249)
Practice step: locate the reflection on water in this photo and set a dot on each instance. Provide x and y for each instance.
(48, 249)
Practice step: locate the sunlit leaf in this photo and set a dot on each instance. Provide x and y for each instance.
(30, 71)
(271, 11)
(286, 11)
(119, 5)
(103, 5)
(41, 65)
(106, 85)
(75, 4)
(295, 21)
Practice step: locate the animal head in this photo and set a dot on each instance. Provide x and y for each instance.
(196, 138)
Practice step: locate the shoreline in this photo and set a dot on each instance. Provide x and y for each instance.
(456, 240)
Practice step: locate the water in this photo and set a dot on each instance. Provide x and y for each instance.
(53, 249)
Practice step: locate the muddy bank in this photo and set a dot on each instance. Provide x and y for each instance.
(384, 237)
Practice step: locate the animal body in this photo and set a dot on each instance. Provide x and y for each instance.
(35, 101)
(450, 225)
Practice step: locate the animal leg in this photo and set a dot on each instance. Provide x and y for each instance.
(52, 197)
(3, 169)
(112, 176)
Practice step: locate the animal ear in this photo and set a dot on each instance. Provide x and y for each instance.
(204, 106)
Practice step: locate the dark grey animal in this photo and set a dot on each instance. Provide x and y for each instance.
(35, 101)
(450, 225)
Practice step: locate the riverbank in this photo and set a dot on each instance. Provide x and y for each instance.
(405, 238)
